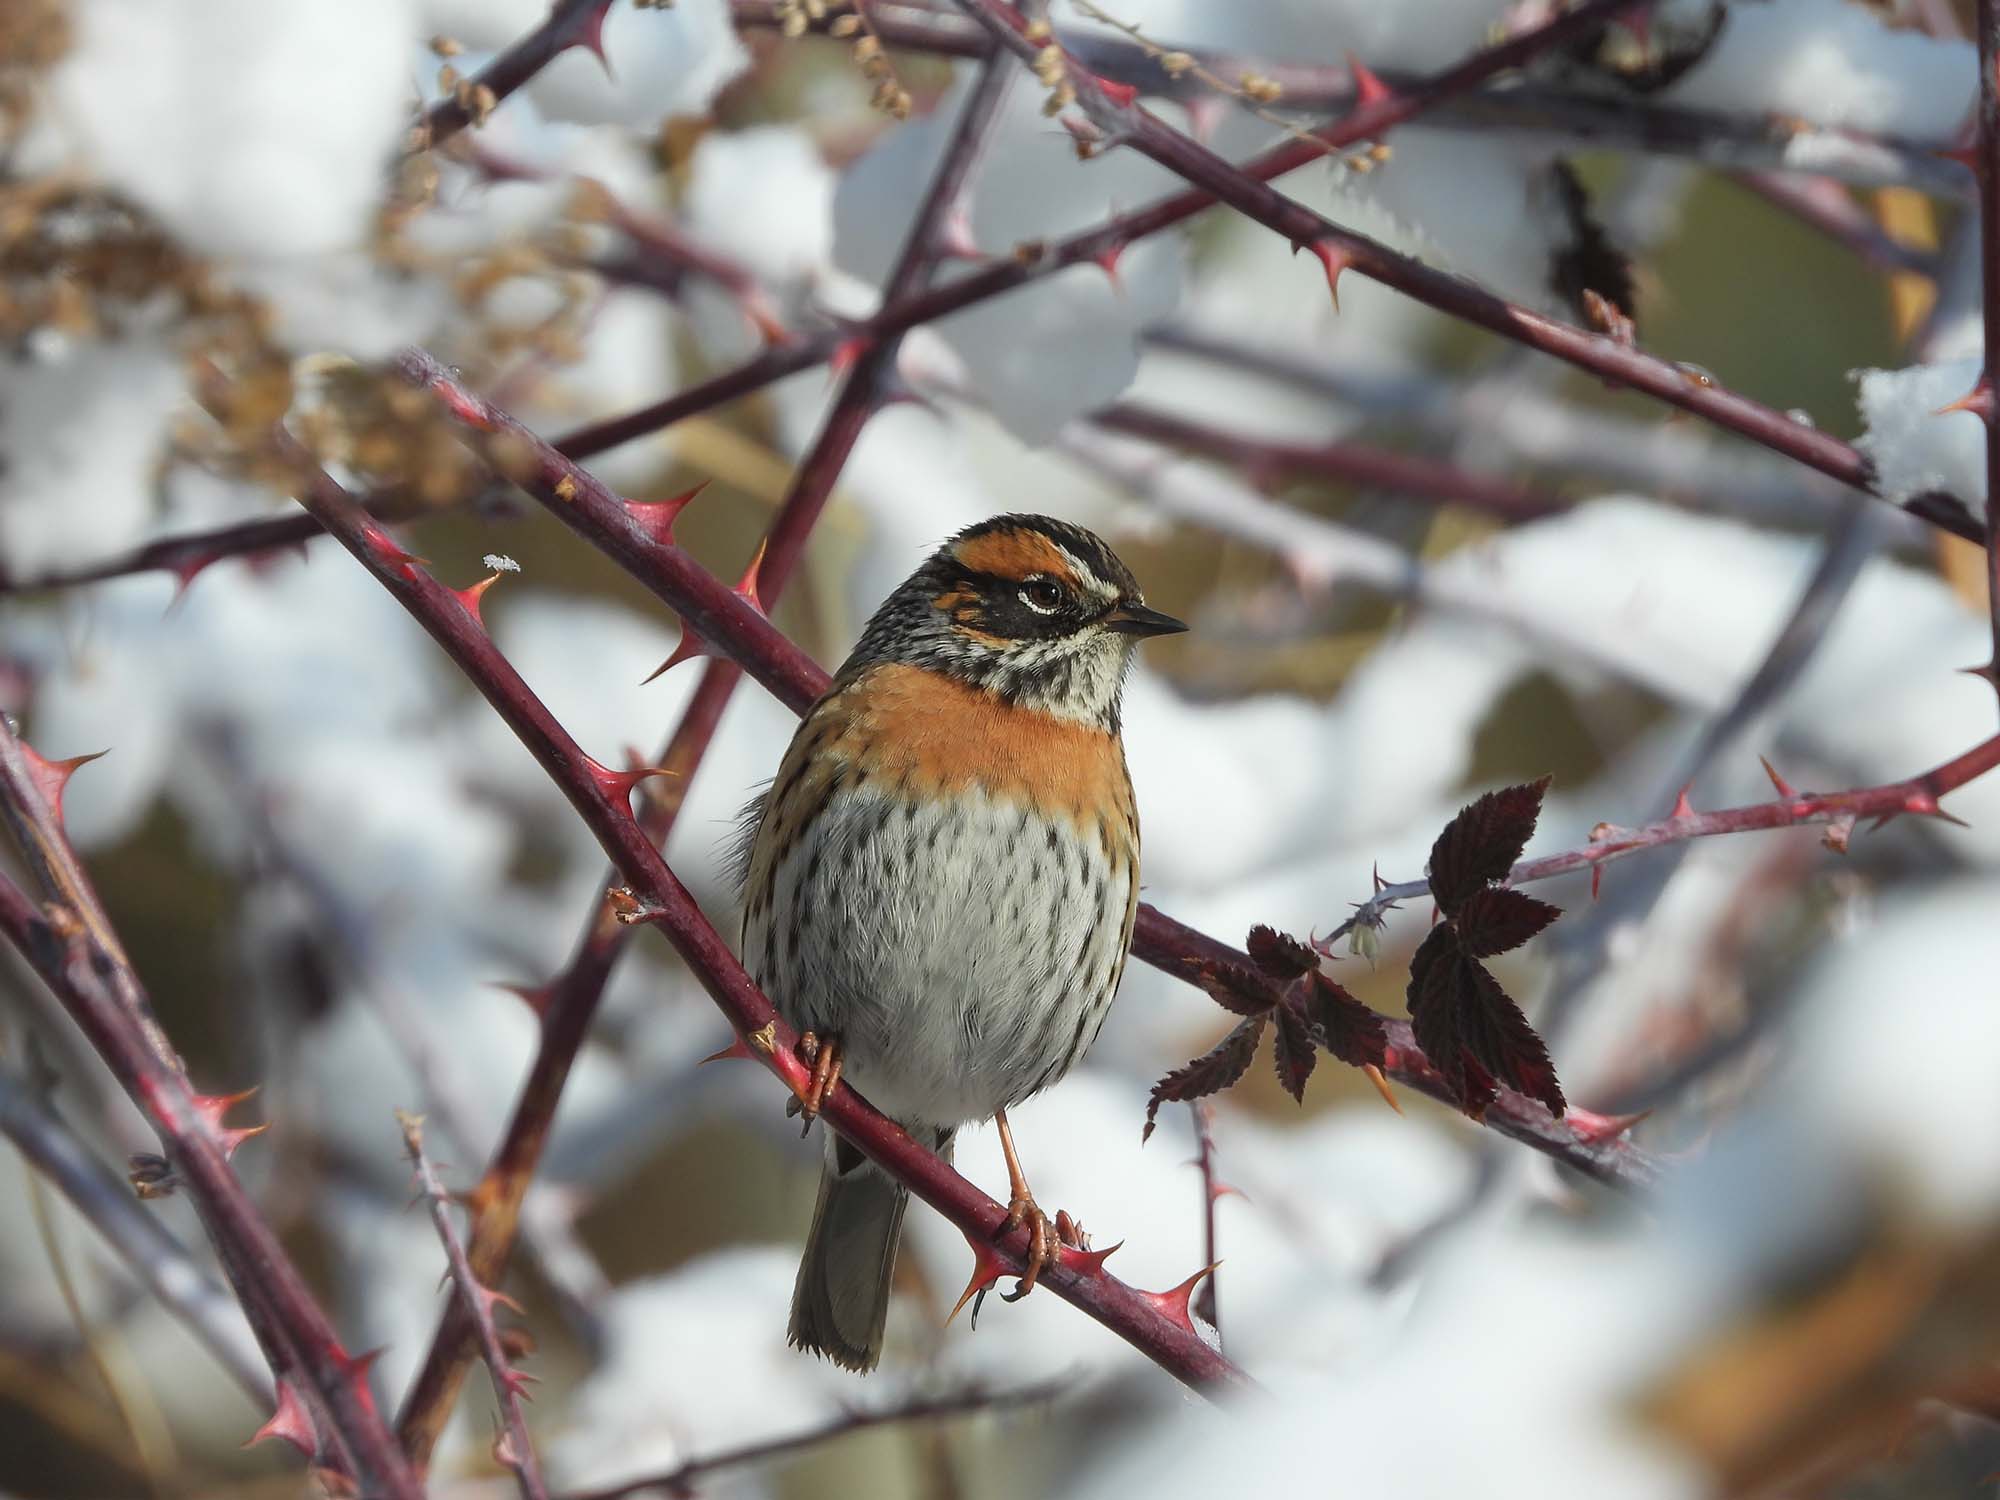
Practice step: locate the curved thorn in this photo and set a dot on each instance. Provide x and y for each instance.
(470, 596)
(656, 517)
(988, 1266)
(1785, 788)
(290, 1422)
(1173, 1304)
(1381, 1081)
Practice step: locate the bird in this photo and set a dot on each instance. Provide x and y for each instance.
(939, 883)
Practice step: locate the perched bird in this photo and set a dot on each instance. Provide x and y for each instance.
(940, 881)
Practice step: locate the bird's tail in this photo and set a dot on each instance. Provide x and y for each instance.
(841, 1301)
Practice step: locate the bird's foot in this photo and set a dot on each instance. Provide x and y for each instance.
(1046, 1239)
(822, 1055)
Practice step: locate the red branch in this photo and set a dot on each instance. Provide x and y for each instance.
(1035, 261)
(1616, 120)
(570, 23)
(1917, 796)
(1579, 1139)
(183, 556)
(1263, 460)
(1984, 401)
(1122, 121)
(85, 968)
(573, 999)
(732, 626)
(601, 800)
(516, 1450)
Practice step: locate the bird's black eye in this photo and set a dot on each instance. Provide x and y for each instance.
(1042, 594)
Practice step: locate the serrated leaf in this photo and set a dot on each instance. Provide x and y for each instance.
(1212, 1072)
(1499, 1036)
(1239, 990)
(1292, 1048)
(1480, 845)
(1471, 1029)
(1433, 997)
(1279, 954)
(1496, 919)
(1346, 1028)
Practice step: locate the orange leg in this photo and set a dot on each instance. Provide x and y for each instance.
(824, 1055)
(1045, 1237)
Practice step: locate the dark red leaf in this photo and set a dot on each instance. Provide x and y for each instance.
(1239, 990)
(1347, 1028)
(1208, 1074)
(1434, 994)
(1499, 1036)
(1433, 998)
(1480, 845)
(1495, 919)
(1279, 954)
(1292, 1048)
(1472, 1031)
(1477, 1087)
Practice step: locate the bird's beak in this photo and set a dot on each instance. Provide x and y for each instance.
(1133, 618)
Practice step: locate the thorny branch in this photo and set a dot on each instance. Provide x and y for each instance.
(1986, 401)
(515, 1448)
(130, 1232)
(577, 992)
(570, 23)
(1618, 120)
(1155, 1324)
(1118, 120)
(1034, 261)
(75, 948)
(105, 999)
(1837, 811)
(1592, 1144)
(1265, 460)
(1671, 459)
(731, 624)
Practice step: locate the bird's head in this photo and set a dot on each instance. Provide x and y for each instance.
(1030, 608)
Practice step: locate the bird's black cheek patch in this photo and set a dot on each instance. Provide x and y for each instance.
(1007, 614)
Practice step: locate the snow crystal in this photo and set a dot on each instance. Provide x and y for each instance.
(84, 432)
(1835, 63)
(251, 129)
(1058, 348)
(1892, 1077)
(1914, 445)
(662, 63)
(764, 195)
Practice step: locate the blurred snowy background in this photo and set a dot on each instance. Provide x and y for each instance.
(323, 851)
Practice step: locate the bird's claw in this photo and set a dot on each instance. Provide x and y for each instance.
(824, 1057)
(1046, 1239)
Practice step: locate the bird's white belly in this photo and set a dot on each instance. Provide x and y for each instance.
(964, 952)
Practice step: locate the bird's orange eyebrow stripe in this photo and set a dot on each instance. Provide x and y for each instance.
(1014, 554)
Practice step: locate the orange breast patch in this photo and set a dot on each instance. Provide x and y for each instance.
(935, 736)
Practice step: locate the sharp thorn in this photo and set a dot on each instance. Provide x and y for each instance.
(1381, 1081)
